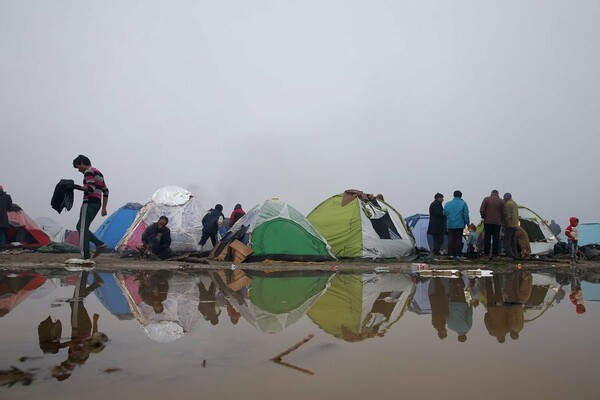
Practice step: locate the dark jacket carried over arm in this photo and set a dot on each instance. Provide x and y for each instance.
(63, 195)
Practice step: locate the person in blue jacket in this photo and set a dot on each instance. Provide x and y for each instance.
(457, 217)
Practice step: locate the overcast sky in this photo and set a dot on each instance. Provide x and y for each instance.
(240, 101)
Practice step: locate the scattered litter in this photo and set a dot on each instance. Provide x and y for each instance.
(448, 273)
(479, 272)
(416, 267)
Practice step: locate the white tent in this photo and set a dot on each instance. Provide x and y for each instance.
(541, 238)
(185, 220)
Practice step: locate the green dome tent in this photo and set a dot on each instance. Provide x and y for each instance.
(275, 230)
(278, 301)
(357, 307)
(359, 225)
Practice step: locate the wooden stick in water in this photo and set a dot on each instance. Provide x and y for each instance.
(294, 347)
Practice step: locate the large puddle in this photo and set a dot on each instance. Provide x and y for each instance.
(235, 335)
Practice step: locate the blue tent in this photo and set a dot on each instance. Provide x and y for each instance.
(589, 233)
(115, 226)
(418, 224)
(111, 296)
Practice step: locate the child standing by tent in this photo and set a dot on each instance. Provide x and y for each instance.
(573, 236)
(472, 240)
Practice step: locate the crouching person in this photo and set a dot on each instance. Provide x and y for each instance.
(158, 238)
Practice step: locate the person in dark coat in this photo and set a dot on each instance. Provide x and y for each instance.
(211, 223)
(437, 223)
(493, 212)
(5, 204)
(158, 237)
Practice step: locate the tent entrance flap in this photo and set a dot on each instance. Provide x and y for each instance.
(534, 232)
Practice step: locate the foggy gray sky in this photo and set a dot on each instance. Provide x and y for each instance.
(240, 101)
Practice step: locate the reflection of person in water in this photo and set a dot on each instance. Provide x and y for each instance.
(506, 295)
(460, 312)
(438, 299)
(576, 295)
(208, 305)
(85, 338)
(153, 288)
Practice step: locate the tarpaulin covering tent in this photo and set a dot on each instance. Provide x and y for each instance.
(111, 296)
(50, 227)
(418, 224)
(180, 306)
(358, 307)
(541, 238)
(23, 231)
(279, 300)
(114, 227)
(589, 233)
(275, 230)
(185, 220)
(359, 225)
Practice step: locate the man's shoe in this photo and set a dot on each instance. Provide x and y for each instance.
(99, 249)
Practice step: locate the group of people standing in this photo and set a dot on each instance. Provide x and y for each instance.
(452, 218)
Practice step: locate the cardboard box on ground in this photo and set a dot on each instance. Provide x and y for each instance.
(235, 251)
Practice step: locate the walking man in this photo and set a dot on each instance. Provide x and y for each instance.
(95, 198)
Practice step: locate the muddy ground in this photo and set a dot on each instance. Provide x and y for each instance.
(112, 262)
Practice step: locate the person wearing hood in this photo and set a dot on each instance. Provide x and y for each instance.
(237, 213)
(457, 217)
(5, 204)
(572, 235)
(437, 223)
(211, 222)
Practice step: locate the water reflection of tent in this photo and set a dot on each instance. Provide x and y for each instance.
(14, 288)
(278, 301)
(420, 302)
(180, 312)
(591, 291)
(111, 296)
(357, 307)
(543, 293)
